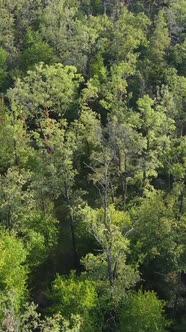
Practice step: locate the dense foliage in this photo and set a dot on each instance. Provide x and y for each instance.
(92, 165)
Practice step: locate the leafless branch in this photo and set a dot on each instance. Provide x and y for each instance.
(132, 229)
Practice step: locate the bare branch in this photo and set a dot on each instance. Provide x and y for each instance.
(132, 229)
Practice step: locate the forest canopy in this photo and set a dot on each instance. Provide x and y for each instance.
(93, 165)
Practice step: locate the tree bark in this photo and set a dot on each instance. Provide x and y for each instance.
(72, 229)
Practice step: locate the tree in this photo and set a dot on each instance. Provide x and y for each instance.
(101, 223)
(47, 91)
(13, 270)
(157, 240)
(28, 319)
(143, 312)
(152, 123)
(6, 137)
(127, 35)
(57, 149)
(35, 51)
(153, 66)
(110, 265)
(74, 296)
(15, 19)
(21, 211)
(3, 68)
(127, 145)
(75, 40)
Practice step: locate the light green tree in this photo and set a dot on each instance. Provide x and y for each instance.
(3, 68)
(143, 312)
(74, 296)
(46, 91)
(76, 41)
(13, 270)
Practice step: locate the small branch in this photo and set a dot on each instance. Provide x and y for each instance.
(132, 229)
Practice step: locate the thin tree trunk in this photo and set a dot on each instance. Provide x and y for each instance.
(177, 295)
(15, 153)
(72, 229)
(74, 246)
(181, 198)
(109, 267)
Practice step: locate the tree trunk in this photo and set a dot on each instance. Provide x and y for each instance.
(109, 267)
(72, 229)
